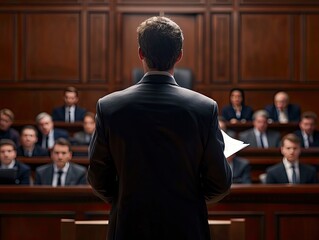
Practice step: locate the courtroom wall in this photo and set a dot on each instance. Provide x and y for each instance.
(259, 45)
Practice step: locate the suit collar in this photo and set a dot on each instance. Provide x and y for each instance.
(158, 79)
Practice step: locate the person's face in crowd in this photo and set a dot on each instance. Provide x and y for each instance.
(281, 101)
(89, 125)
(70, 98)
(7, 154)
(260, 123)
(60, 155)
(45, 125)
(28, 138)
(307, 125)
(290, 150)
(236, 98)
(5, 122)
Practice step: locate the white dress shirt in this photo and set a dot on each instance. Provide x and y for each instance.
(71, 115)
(289, 169)
(56, 175)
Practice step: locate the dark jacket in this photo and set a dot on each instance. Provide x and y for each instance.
(156, 156)
(293, 112)
(58, 114)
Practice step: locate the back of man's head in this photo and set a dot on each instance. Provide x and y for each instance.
(161, 42)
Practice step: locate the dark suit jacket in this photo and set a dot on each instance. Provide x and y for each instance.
(38, 151)
(229, 113)
(12, 134)
(23, 173)
(315, 137)
(156, 154)
(58, 114)
(241, 170)
(277, 174)
(79, 138)
(76, 175)
(57, 133)
(249, 136)
(293, 111)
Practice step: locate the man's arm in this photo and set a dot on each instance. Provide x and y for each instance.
(216, 174)
(101, 171)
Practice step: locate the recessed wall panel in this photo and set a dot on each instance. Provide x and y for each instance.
(265, 47)
(52, 47)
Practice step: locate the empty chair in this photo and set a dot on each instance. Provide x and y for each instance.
(183, 76)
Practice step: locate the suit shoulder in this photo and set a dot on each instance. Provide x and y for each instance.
(43, 168)
(78, 167)
(22, 165)
(274, 168)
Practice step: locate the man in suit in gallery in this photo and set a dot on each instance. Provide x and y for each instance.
(6, 131)
(70, 111)
(28, 147)
(259, 135)
(290, 170)
(48, 133)
(84, 137)
(240, 169)
(61, 172)
(307, 132)
(281, 110)
(157, 152)
(8, 160)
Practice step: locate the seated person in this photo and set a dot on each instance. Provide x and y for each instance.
(48, 134)
(290, 170)
(70, 111)
(61, 172)
(237, 111)
(6, 131)
(281, 110)
(84, 137)
(28, 147)
(8, 155)
(307, 132)
(240, 169)
(259, 135)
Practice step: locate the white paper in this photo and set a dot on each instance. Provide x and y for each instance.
(232, 145)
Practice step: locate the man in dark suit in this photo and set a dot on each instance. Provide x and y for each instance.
(307, 132)
(259, 135)
(240, 168)
(157, 152)
(6, 131)
(48, 134)
(281, 110)
(28, 147)
(61, 172)
(8, 156)
(290, 170)
(84, 137)
(70, 111)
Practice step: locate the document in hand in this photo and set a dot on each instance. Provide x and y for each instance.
(232, 145)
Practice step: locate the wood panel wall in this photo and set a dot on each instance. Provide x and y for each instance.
(259, 45)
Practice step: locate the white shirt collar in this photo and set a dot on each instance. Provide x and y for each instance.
(158, 73)
(11, 165)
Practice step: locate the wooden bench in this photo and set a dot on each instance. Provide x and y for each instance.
(233, 229)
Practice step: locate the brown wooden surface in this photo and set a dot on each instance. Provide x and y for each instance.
(260, 46)
(271, 212)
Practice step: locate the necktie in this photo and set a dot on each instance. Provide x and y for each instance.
(70, 115)
(294, 176)
(309, 141)
(47, 141)
(59, 178)
(261, 141)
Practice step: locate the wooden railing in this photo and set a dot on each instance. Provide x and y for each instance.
(272, 212)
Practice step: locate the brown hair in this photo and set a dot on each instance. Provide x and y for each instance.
(72, 89)
(309, 115)
(8, 142)
(8, 113)
(63, 142)
(292, 138)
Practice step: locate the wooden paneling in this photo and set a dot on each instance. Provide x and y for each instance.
(98, 46)
(52, 47)
(272, 212)
(265, 47)
(312, 47)
(221, 48)
(260, 46)
(7, 46)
